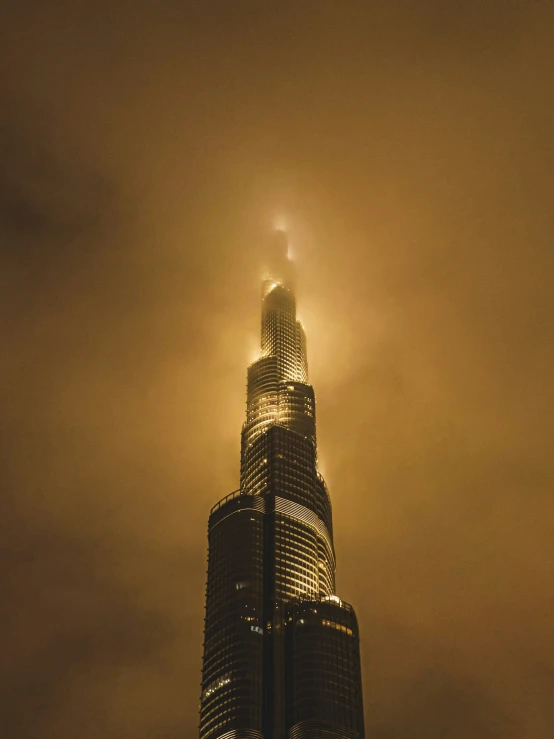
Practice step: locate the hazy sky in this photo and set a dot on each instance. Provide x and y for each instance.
(146, 148)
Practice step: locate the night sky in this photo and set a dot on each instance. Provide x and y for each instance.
(147, 148)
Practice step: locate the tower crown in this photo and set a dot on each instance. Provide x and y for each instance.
(277, 383)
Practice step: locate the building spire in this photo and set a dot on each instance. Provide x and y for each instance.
(278, 268)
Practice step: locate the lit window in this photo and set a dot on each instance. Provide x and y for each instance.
(215, 685)
(337, 626)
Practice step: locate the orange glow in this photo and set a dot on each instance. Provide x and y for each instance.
(406, 148)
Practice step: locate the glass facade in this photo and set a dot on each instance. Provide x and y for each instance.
(281, 651)
(322, 666)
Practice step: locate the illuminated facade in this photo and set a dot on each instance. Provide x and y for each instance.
(281, 650)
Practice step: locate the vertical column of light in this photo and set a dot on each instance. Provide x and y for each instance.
(327, 563)
(301, 353)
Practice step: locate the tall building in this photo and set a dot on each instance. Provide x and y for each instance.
(281, 650)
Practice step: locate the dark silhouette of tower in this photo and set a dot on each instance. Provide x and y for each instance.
(281, 650)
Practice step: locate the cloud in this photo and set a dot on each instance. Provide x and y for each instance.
(146, 149)
(438, 705)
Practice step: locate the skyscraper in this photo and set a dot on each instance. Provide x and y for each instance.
(281, 650)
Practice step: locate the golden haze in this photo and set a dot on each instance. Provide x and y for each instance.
(147, 148)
